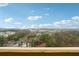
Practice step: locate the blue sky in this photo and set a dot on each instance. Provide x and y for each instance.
(30, 15)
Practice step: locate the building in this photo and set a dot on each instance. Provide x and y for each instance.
(7, 33)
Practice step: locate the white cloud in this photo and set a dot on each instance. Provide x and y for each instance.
(41, 26)
(12, 21)
(8, 20)
(31, 18)
(44, 25)
(33, 26)
(17, 23)
(67, 23)
(62, 22)
(23, 27)
(10, 27)
(3, 4)
(70, 23)
(75, 17)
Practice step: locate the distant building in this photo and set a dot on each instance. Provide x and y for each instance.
(7, 33)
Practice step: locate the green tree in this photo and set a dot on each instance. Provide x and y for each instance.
(31, 39)
(46, 38)
(2, 41)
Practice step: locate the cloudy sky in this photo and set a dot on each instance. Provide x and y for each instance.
(23, 15)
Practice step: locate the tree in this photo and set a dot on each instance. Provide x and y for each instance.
(31, 39)
(2, 41)
(46, 38)
(18, 35)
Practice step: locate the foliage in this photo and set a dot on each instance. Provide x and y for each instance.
(69, 38)
(2, 41)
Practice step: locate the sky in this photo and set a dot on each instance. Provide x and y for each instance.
(39, 15)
